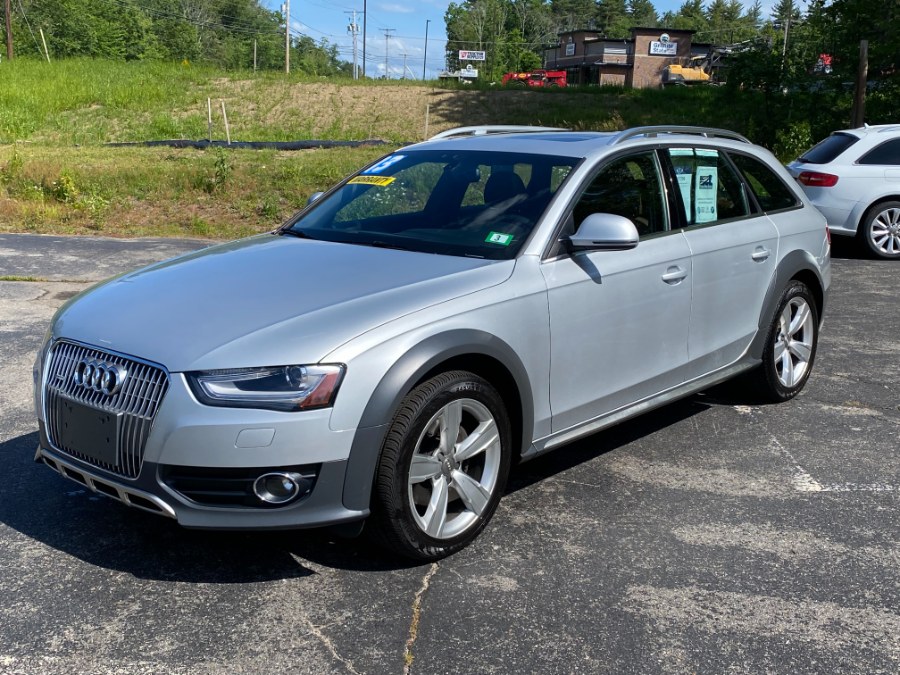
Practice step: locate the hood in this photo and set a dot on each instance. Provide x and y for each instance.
(264, 301)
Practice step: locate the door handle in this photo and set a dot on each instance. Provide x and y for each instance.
(674, 275)
(761, 254)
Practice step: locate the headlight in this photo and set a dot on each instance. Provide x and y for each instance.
(285, 388)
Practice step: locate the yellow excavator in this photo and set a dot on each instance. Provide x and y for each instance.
(696, 71)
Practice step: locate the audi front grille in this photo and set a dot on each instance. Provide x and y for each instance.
(111, 401)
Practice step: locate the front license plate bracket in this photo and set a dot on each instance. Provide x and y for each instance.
(89, 432)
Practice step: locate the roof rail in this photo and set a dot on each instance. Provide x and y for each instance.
(485, 129)
(666, 129)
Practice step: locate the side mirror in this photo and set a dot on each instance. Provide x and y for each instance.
(604, 232)
(313, 197)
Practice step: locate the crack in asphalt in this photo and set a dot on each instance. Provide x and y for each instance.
(416, 616)
(329, 645)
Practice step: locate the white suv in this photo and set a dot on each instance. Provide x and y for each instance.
(853, 178)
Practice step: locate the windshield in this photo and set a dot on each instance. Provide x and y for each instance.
(464, 203)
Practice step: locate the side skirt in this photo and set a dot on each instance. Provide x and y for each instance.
(548, 443)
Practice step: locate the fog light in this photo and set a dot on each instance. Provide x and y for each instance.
(278, 488)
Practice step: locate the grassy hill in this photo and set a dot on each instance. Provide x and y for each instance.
(56, 176)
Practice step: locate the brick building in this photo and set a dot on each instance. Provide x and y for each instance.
(638, 61)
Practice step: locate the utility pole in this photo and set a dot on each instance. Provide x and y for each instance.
(353, 29)
(9, 44)
(365, 21)
(859, 96)
(387, 36)
(404, 66)
(425, 60)
(287, 35)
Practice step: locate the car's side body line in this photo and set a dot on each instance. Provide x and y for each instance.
(401, 378)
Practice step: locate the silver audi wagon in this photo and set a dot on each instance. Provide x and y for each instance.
(456, 307)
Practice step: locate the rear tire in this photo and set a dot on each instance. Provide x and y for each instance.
(791, 345)
(443, 467)
(880, 230)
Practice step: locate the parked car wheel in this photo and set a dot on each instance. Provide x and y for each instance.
(881, 230)
(790, 345)
(443, 466)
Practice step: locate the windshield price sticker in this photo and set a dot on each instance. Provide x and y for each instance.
(381, 181)
(384, 164)
(499, 238)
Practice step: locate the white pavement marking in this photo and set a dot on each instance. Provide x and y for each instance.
(803, 481)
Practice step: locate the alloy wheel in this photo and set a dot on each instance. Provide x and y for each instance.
(455, 469)
(794, 342)
(884, 232)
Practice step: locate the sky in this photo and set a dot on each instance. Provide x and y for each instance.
(330, 19)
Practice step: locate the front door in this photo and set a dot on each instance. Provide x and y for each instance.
(618, 319)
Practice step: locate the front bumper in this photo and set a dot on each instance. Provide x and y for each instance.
(151, 492)
(198, 463)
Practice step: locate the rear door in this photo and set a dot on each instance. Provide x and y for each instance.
(734, 249)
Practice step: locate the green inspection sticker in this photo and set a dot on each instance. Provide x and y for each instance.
(499, 238)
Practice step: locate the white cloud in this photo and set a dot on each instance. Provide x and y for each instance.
(395, 8)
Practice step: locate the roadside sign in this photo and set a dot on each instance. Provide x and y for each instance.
(466, 55)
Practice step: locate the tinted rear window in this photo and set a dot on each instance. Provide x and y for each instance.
(829, 149)
(771, 193)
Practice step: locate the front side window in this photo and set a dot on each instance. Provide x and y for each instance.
(465, 203)
(886, 154)
(770, 191)
(709, 189)
(630, 187)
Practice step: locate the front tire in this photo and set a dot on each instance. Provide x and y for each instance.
(443, 467)
(791, 345)
(881, 230)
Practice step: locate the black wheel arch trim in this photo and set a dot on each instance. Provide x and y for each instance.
(794, 263)
(402, 377)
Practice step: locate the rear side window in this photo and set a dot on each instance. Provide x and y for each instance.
(771, 192)
(710, 190)
(829, 149)
(885, 154)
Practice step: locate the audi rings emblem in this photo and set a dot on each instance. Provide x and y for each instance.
(106, 378)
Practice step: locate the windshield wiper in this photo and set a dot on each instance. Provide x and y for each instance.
(380, 244)
(300, 234)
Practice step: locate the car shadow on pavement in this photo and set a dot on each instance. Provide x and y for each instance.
(847, 248)
(67, 517)
(602, 442)
(63, 515)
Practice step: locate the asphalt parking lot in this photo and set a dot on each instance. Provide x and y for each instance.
(716, 535)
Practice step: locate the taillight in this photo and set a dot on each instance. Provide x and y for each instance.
(817, 179)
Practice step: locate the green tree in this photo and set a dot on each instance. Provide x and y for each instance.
(218, 31)
(691, 16)
(642, 14)
(614, 19)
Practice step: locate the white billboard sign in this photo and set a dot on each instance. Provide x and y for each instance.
(658, 48)
(466, 55)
